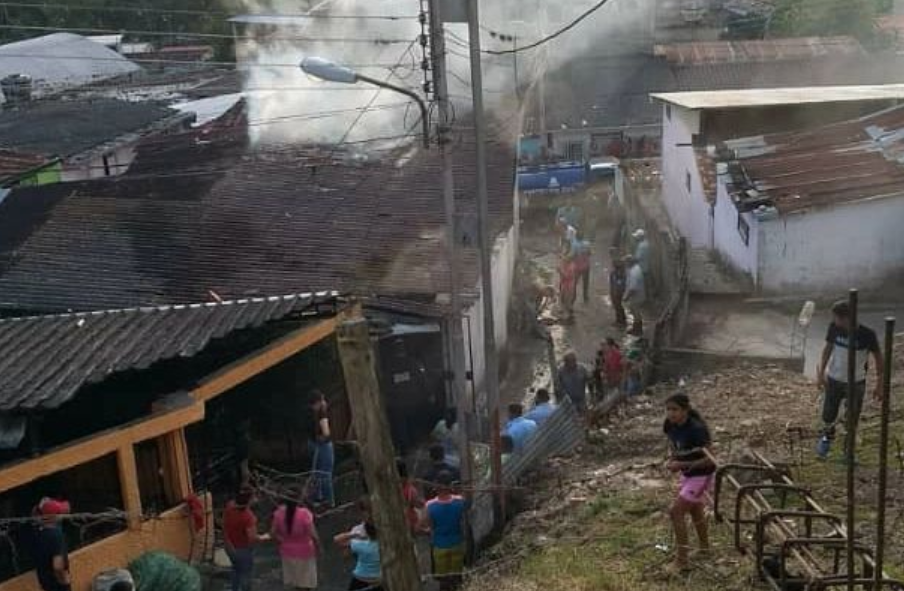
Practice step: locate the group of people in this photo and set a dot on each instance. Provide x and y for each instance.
(629, 273)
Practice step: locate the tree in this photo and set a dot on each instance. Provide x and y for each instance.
(800, 18)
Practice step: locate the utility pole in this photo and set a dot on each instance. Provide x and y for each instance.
(453, 250)
(491, 372)
(400, 569)
(543, 61)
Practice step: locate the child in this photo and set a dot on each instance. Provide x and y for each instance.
(689, 438)
(633, 371)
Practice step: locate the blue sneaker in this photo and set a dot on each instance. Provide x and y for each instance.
(823, 447)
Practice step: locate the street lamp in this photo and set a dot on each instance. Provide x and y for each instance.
(323, 69)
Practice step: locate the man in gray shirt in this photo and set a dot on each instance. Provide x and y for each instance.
(635, 294)
(573, 381)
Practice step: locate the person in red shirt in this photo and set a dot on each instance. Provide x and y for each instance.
(411, 496)
(613, 365)
(240, 536)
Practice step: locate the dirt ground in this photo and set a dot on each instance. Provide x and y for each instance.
(597, 521)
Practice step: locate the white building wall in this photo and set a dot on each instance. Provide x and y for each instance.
(728, 239)
(503, 264)
(688, 209)
(856, 244)
(118, 161)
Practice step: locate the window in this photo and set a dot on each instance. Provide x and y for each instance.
(687, 180)
(156, 462)
(575, 151)
(744, 230)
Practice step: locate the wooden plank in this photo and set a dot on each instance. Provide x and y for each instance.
(128, 485)
(263, 359)
(179, 471)
(98, 445)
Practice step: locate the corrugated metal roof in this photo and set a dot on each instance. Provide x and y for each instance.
(62, 60)
(760, 50)
(769, 97)
(14, 164)
(217, 216)
(849, 161)
(68, 128)
(46, 360)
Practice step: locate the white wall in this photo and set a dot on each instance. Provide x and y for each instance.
(853, 245)
(503, 264)
(727, 237)
(118, 161)
(689, 211)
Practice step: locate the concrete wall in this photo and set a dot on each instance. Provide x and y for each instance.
(688, 209)
(505, 252)
(169, 533)
(857, 244)
(727, 236)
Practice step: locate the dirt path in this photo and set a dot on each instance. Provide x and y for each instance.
(597, 521)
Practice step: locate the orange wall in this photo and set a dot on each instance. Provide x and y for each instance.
(171, 533)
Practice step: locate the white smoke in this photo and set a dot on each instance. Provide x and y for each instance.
(286, 105)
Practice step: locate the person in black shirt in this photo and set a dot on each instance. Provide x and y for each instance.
(832, 374)
(50, 555)
(320, 448)
(688, 438)
(438, 465)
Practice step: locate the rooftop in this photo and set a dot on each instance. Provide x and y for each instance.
(718, 52)
(771, 97)
(62, 60)
(45, 360)
(67, 128)
(15, 164)
(845, 162)
(199, 217)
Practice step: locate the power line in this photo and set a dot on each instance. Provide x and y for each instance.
(91, 31)
(189, 12)
(180, 62)
(552, 36)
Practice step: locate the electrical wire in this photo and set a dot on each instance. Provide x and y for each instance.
(190, 34)
(189, 12)
(584, 15)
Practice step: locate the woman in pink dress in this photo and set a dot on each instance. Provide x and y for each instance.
(294, 531)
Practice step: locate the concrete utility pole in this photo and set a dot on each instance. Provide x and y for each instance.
(491, 372)
(400, 570)
(453, 250)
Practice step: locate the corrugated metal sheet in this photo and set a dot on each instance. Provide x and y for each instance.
(62, 60)
(240, 222)
(14, 164)
(45, 360)
(847, 161)
(561, 434)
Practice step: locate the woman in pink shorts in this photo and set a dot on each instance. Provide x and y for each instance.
(689, 438)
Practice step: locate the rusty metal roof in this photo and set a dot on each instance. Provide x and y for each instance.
(14, 164)
(844, 162)
(214, 216)
(768, 50)
(46, 360)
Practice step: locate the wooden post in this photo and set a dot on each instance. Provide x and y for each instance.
(128, 484)
(400, 570)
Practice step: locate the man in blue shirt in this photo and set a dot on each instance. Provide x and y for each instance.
(543, 408)
(519, 428)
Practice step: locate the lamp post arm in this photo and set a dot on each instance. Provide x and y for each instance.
(425, 120)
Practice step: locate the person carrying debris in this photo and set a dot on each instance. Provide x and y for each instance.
(832, 372)
(689, 438)
(50, 555)
(573, 380)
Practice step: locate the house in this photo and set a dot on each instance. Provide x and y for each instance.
(815, 211)
(205, 216)
(21, 169)
(598, 106)
(61, 61)
(151, 464)
(695, 122)
(88, 138)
